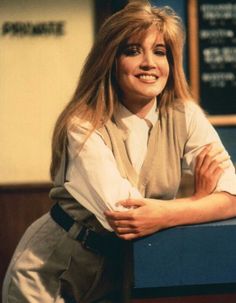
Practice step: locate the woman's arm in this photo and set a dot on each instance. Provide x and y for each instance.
(211, 163)
(149, 215)
(201, 133)
(93, 178)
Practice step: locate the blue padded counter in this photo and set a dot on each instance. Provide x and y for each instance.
(191, 255)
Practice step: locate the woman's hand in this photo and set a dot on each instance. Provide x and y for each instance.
(210, 165)
(143, 218)
(146, 216)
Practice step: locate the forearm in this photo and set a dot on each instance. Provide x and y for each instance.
(147, 216)
(217, 206)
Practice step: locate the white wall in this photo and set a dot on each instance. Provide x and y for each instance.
(38, 77)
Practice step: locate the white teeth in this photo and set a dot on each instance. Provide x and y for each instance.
(147, 77)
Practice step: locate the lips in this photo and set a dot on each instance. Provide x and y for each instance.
(147, 77)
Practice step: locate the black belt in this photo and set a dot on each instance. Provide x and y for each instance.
(98, 243)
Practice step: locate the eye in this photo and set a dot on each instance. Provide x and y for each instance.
(160, 51)
(131, 51)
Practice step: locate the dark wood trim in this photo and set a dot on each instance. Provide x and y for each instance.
(184, 291)
(105, 8)
(193, 48)
(225, 298)
(9, 188)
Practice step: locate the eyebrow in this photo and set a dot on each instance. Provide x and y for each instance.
(138, 44)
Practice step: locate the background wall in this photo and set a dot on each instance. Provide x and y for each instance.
(38, 77)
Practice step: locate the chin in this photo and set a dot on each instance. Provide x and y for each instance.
(149, 96)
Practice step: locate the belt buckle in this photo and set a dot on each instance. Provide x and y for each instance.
(85, 240)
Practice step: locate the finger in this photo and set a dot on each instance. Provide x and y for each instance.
(207, 161)
(111, 223)
(122, 223)
(212, 150)
(216, 149)
(211, 161)
(215, 164)
(200, 157)
(215, 177)
(209, 164)
(132, 202)
(117, 215)
(224, 165)
(221, 157)
(126, 230)
(217, 173)
(129, 236)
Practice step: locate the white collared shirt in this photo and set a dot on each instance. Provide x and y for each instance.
(93, 177)
(137, 130)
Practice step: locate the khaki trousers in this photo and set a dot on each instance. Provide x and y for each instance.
(49, 266)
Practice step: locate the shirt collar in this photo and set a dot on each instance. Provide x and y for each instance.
(152, 115)
(127, 120)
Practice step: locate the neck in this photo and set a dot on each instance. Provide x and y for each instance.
(140, 109)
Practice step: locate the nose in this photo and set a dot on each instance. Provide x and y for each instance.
(148, 61)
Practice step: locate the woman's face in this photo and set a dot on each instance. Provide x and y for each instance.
(142, 69)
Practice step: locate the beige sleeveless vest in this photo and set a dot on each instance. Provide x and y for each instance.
(160, 173)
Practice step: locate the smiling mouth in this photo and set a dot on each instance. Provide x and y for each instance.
(146, 77)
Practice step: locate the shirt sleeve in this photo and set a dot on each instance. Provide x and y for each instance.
(200, 133)
(93, 177)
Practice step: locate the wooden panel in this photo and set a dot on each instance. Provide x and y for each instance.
(193, 48)
(19, 206)
(231, 298)
(104, 9)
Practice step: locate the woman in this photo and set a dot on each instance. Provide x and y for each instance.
(119, 149)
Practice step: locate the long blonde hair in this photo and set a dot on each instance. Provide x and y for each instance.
(96, 95)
